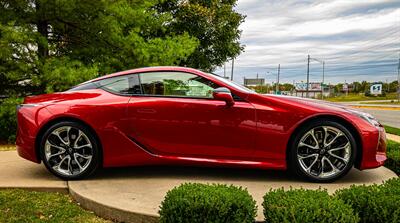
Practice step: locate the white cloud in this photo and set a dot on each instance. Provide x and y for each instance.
(353, 37)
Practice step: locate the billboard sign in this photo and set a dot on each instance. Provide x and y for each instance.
(345, 87)
(254, 81)
(376, 89)
(311, 86)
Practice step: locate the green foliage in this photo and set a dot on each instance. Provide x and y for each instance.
(302, 205)
(193, 202)
(28, 206)
(44, 40)
(60, 74)
(393, 156)
(213, 22)
(8, 120)
(392, 130)
(375, 203)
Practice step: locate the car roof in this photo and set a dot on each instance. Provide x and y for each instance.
(148, 69)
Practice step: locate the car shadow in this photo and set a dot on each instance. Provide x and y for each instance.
(221, 174)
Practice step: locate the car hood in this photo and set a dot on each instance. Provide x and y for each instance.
(311, 103)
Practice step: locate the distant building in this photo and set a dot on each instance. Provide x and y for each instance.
(252, 82)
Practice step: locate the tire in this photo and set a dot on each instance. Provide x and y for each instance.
(327, 156)
(70, 151)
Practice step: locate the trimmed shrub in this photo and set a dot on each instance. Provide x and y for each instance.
(194, 202)
(375, 203)
(300, 205)
(393, 156)
(8, 119)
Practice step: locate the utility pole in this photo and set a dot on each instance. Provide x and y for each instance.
(277, 80)
(308, 75)
(323, 79)
(398, 81)
(233, 65)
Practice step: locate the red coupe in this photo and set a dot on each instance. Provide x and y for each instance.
(175, 115)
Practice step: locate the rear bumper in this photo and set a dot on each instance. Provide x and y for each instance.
(26, 133)
(374, 149)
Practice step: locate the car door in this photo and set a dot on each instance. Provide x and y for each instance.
(176, 115)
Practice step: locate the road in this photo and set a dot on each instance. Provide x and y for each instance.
(386, 117)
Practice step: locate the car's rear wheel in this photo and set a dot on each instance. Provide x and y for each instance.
(322, 151)
(69, 150)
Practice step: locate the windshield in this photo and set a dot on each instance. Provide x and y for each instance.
(233, 84)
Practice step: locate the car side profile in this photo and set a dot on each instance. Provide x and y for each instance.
(183, 116)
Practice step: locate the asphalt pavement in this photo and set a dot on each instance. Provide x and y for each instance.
(386, 117)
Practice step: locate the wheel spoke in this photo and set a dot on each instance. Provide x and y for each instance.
(338, 134)
(60, 138)
(306, 145)
(312, 164)
(86, 145)
(340, 148)
(325, 134)
(77, 162)
(84, 156)
(77, 138)
(314, 138)
(338, 157)
(334, 168)
(62, 151)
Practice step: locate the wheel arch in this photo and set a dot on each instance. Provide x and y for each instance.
(338, 119)
(51, 122)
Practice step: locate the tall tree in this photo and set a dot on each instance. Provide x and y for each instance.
(56, 44)
(214, 23)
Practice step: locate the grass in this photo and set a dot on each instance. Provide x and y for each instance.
(392, 130)
(7, 147)
(392, 102)
(28, 206)
(393, 155)
(361, 97)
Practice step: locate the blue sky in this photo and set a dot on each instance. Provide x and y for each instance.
(357, 39)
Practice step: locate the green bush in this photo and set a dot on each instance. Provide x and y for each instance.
(194, 202)
(375, 203)
(302, 205)
(393, 156)
(8, 119)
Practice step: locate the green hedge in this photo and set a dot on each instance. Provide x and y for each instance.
(8, 119)
(300, 205)
(375, 203)
(193, 202)
(393, 156)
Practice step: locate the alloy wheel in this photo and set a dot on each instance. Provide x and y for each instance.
(68, 150)
(324, 152)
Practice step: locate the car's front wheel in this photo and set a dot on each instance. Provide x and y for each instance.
(322, 151)
(69, 150)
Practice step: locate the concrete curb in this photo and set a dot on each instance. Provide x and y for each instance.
(376, 107)
(111, 213)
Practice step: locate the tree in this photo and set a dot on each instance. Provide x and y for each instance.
(214, 23)
(56, 44)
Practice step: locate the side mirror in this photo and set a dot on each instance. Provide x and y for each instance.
(223, 94)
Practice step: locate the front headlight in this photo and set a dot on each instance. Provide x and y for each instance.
(367, 117)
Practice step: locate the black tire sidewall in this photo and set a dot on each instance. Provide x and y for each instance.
(294, 164)
(95, 162)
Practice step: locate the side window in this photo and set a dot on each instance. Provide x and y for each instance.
(127, 84)
(176, 84)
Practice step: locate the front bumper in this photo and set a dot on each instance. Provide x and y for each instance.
(374, 149)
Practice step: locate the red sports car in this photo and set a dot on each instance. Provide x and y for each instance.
(175, 115)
